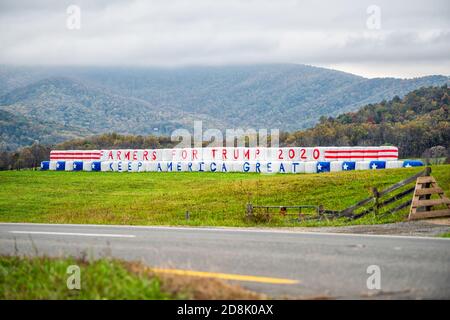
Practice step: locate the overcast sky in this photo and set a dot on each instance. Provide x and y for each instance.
(410, 38)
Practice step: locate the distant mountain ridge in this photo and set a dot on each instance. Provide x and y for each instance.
(92, 100)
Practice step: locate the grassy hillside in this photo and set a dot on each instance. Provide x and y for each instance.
(17, 130)
(418, 121)
(213, 199)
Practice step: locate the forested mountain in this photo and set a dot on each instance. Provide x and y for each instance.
(61, 102)
(418, 121)
(415, 123)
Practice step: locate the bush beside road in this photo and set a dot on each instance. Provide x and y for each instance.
(104, 279)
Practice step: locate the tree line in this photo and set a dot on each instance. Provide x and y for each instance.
(414, 124)
(417, 124)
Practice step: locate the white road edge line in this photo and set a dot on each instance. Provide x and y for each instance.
(226, 229)
(76, 234)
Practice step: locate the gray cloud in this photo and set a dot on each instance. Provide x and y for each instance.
(413, 39)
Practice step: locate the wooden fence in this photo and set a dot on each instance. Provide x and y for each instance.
(376, 202)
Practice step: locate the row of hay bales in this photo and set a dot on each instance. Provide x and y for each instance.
(385, 153)
(226, 166)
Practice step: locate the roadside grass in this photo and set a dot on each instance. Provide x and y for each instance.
(106, 279)
(213, 199)
(445, 235)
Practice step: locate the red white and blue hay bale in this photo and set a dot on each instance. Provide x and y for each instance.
(247, 160)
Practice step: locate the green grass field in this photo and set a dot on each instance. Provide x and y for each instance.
(213, 199)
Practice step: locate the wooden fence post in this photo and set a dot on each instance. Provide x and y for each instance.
(249, 209)
(376, 197)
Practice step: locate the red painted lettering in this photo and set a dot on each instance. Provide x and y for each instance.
(236, 154)
(316, 154)
(302, 154)
(291, 153)
(247, 154)
(280, 154)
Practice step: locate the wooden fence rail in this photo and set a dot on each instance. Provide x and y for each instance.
(349, 212)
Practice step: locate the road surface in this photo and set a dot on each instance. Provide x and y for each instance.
(311, 264)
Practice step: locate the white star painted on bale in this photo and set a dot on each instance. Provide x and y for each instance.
(57, 165)
(319, 167)
(345, 166)
(93, 166)
(408, 165)
(374, 166)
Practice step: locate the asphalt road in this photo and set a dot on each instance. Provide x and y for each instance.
(324, 264)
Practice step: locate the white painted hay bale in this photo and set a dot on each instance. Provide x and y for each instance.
(269, 167)
(215, 154)
(285, 167)
(153, 155)
(340, 154)
(104, 155)
(387, 153)
(298, 167)
(87, 165)
(168, 154)
(357, 154)
(311, 167)
(312, 154)
(331, 154)
(336, 166)
(106, 166)
(362, 165)
(273, 154)
(69, 165)
(394, 164)
(235, 154)
(52, 165)
(371, 153)
(247, 154)
(226, 166)
(318, 153)
(161, 166)
(136, 166)
(291, 154)
(151, 166)
(259, 154)
(122, 166)
(250, 166)
(213, 166)
(113, 165)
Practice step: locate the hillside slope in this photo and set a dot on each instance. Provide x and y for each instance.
(149, 100)
(418, 121)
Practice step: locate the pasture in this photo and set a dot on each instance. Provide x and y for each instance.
(213, 199)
